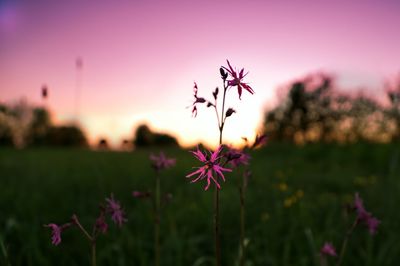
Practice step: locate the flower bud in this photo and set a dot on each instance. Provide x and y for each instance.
(141, 194)
(229, 112)
(259, 141)
(215, 93)
(200, 100)
(224, 75)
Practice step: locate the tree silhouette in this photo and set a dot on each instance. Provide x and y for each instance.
(144, 137)
(315, 110)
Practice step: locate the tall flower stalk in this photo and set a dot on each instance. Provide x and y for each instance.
(240, 158)
(362, 218)
(116, 213)
(158, 163)
(213, 166)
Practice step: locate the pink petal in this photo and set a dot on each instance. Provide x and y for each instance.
(215, 181)
(239, 91)
(208, 184)
(201, 169)
(199, 155)
(231, 68)
(248, 88)
(241, 73)
(214, 155)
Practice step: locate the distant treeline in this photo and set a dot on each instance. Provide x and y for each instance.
(23, 125)
(313, 109)
(143, 137)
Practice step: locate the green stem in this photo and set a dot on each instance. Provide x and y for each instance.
(216, 223)
(242, 225)
(94, 253)
(5, 252)
(92, 239)
(76, 221)
(157, 222)
(221, 128)
(216, 195)
(345, 241)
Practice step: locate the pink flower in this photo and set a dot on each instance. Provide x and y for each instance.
(161, 162)
(56, 232)
(358, 203)
(237, 80)
(365, 217)
(114, 208)
(328, 250)
(236, 157)
(372, 224)
(211, 167)
(101, 224)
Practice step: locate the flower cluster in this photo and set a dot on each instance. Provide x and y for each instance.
(365, 217)
(362, 217)
(113, 208)
(231, 78)
(161, 162)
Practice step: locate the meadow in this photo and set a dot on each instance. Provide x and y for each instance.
(296, 200)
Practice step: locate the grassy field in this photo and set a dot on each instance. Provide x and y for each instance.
(295, 201)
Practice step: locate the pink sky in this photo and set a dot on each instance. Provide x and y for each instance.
(141, 57)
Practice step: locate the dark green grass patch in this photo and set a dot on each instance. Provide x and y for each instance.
(296, 200)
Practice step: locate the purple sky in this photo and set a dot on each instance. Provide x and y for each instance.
(141, 57)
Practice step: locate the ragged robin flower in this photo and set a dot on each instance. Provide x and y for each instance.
(161, 162)
(237, 80)
(365, 217)
(236, 157)
(115, 210)
(211, 169)
(56, 232)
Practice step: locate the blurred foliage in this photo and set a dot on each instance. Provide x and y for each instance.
(6, 138)
(393, 94)
(313, 109)
(23, 125)
(144, 137)
(69, 135)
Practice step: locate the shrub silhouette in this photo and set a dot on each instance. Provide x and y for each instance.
(144, 137)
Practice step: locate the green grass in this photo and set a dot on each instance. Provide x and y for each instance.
(39, 186)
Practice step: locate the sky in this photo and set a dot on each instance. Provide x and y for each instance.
(141, 57)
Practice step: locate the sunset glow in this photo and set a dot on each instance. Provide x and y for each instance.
(140, 58)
